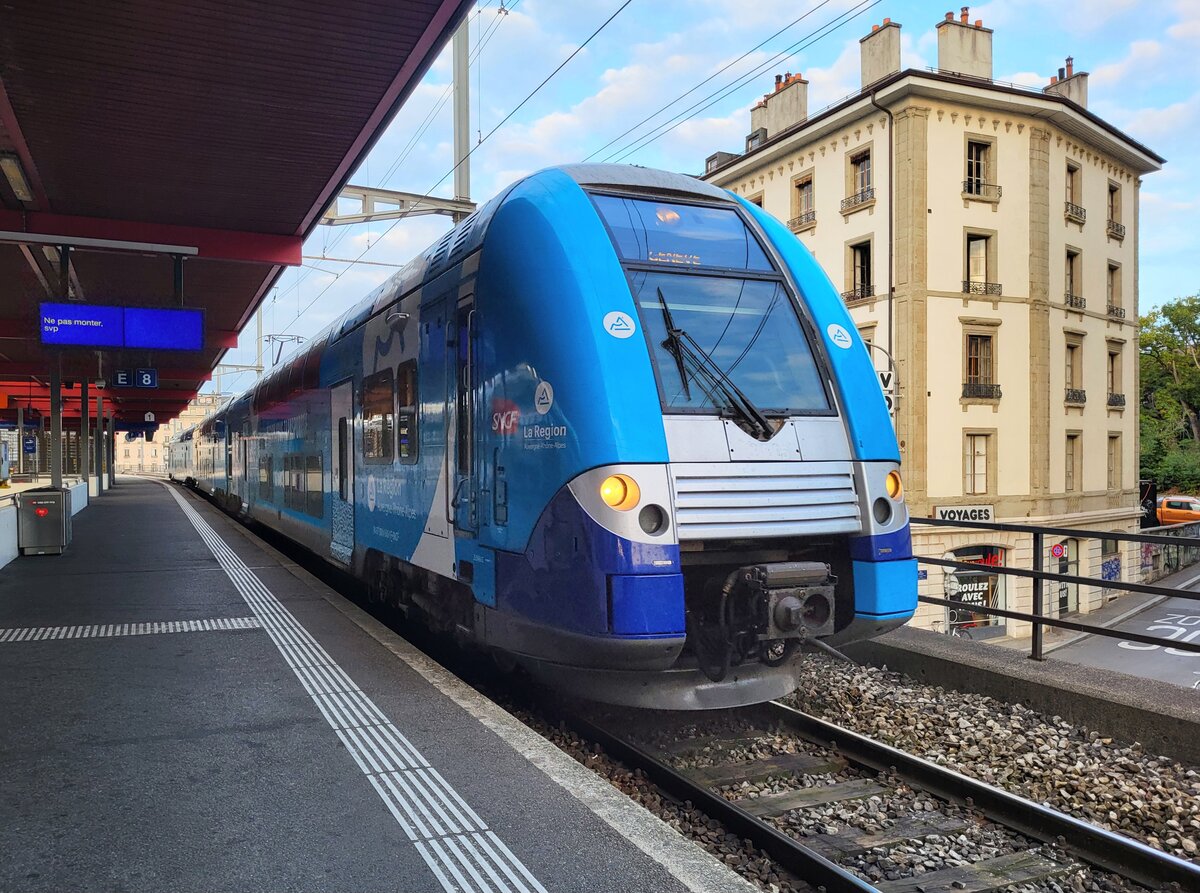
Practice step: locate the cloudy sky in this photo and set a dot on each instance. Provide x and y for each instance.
(1144, 61)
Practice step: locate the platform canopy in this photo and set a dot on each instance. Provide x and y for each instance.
(206, 135)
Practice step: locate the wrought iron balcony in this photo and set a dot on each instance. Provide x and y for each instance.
(859, 198)
(1116, 230)
(979, 391)
(1076, 213)
(1078, 396)
(1116, 311)
(981, 189)
(981, 288)
(1116, 400)
(858, 293)
(1074, 301)
(808, 218)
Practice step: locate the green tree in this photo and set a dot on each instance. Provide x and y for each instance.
(1170, 398)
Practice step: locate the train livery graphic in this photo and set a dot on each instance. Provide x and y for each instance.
(616, 427)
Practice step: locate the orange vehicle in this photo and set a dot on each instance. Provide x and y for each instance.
(1178, 509)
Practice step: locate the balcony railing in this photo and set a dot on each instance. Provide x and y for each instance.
(982, 189)
(1078, 396)
(858, 293)
(978, 391)
(1116, 311)
(1116, 400)
(859, 198)
(1116, 230)
(981, 288)
(806, 219)
(1076, 213)
(1074, 301)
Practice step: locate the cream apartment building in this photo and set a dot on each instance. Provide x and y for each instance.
(984, 237)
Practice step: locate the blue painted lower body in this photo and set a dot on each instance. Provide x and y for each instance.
(579, 577)
(885, 589)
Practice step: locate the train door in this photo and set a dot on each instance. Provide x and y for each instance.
(341, 416)
(464, 500)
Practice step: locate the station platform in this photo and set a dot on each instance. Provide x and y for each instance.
(186, 709)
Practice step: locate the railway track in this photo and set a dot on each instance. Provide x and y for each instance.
(864, 768)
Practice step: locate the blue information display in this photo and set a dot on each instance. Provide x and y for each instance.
(29, 444)
(90, 325)
(83, 325)
(122, 378)
(146, 378)
(164, 329)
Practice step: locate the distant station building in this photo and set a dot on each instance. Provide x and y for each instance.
(984, 237)
(138, 455)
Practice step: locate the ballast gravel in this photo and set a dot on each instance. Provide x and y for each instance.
(1116, 785)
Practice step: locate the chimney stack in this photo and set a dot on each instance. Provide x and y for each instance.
(779, 110)
(880, 52)
(1070, 84)
(964, 48)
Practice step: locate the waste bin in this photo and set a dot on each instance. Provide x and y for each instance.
(44, 521)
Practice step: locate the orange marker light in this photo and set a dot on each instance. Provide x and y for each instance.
(620, 491)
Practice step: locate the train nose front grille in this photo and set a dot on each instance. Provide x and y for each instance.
(724, 500)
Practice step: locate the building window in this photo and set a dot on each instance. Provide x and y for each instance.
(756, 199)
(980, 178)
(378, 403)
(1074, 207)
(980, 370)
(1073, 280)
(975, 464)
(1116, 390)
(860, 172)
(861, 278)
(127, 454)
(1113, 286)
(1114, 461)
(1073, 371)
(804, 212)
(980, 263)
(1115, 228)
(1074, 470)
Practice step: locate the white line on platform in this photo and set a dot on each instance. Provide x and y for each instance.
(111, 630)
(454, 842)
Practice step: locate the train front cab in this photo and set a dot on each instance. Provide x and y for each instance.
(778, 512)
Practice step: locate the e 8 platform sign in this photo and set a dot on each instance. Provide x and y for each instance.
(92, 325)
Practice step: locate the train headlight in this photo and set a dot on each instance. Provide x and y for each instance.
(895, 488)
(620, 491)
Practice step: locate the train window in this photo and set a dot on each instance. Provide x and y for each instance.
(264, 478)
(406, 414)
(378, 402)
(746, 329)
(680, 235)
(314, 487)
(343, 457)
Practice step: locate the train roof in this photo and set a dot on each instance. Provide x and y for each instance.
(301, 367)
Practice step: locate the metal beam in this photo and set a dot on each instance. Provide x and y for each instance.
(97, 233)
(407, 204)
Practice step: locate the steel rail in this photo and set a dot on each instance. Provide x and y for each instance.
(786, 851)
(1114, 852)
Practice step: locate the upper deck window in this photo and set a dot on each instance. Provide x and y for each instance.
(680, 235)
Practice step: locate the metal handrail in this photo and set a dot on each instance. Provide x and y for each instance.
(1116, 399)
(858, 293)
(803, 219)
(1075, 395)
(1116, 311)
(1037, 618)
(979, 391)
(975, 186)
(1076, 212)
(1116, 229)
(859, 198)
(1075, 301)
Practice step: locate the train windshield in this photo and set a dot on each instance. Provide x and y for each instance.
(723, 343)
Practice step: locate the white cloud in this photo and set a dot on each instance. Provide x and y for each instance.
(1143, 56)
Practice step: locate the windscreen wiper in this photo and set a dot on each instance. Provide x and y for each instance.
(679, 342)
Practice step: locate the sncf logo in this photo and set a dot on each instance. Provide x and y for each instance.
(506, 417)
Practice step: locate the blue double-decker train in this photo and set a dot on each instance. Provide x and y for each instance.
(616, 426)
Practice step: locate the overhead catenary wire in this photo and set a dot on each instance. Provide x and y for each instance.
(713, 98)
(472, 151)
(696, 87)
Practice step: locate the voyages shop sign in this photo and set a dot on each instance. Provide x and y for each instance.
(964, 512)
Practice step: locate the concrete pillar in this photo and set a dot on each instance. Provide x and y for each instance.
(98, 443)
(83, 431)
(112, 448)
(56, 475)
(20, 439)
